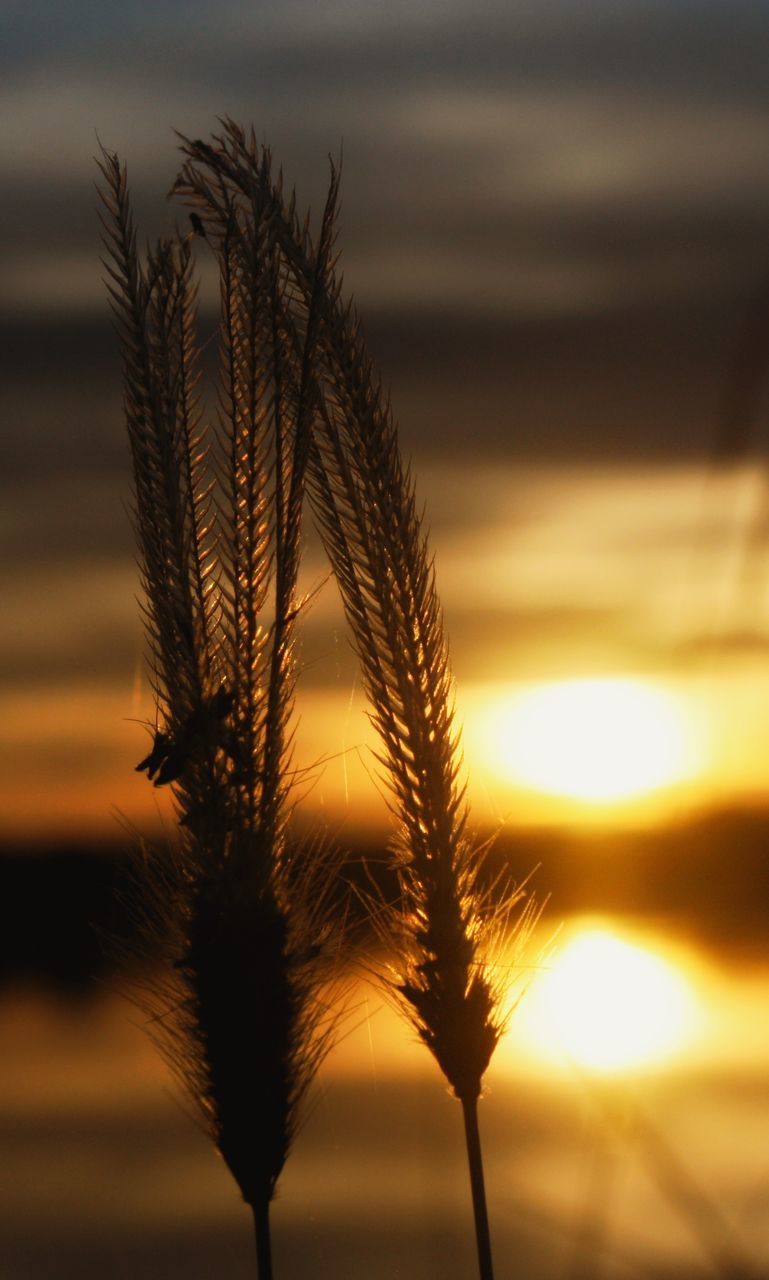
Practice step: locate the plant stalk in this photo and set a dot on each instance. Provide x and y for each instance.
(475, 1165)
(263, 1245)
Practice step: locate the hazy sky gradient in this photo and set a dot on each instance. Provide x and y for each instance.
(554, 221)
(512, 158)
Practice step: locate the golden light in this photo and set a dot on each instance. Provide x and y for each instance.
(608, 1004)
(596, 740)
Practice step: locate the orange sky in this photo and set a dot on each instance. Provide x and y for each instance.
(555, 227)
(547, 574)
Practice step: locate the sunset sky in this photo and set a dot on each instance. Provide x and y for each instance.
(554, 220)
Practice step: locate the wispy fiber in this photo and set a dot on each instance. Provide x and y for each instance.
(245, 913)
(445, 927)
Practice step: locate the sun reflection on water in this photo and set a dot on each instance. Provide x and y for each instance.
(608, 1004)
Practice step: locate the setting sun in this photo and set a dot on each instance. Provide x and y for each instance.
(609, 1004)
(595, 740)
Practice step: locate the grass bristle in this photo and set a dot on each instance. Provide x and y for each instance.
(241, 911)
(301, 405)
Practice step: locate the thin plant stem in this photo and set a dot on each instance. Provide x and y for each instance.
(241, 911)
(446, 926)
(263, 1244)
(477, 1185)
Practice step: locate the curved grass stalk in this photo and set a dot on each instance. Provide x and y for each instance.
(244, 917)
(445, 928)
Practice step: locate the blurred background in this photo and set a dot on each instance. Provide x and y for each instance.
(554, 220)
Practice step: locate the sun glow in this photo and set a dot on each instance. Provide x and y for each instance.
(594, 740)
(608, 1004)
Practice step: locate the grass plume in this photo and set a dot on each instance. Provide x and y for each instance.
(444, 929)
(244, 913)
